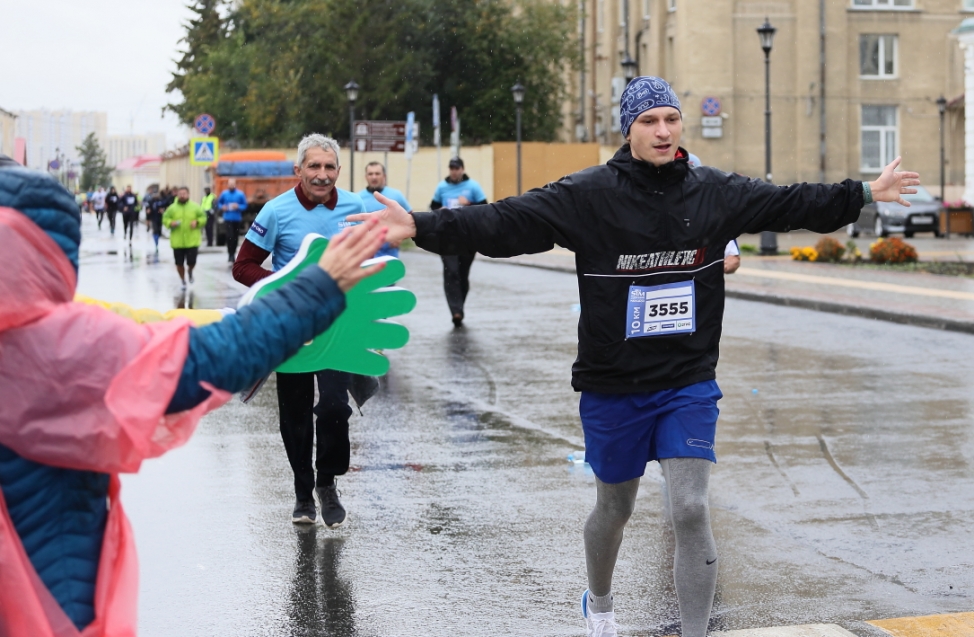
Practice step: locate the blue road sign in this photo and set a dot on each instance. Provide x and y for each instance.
(204, 124)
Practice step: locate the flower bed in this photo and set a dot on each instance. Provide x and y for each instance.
(892, 250)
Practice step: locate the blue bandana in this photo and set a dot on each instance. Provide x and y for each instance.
(642, 94)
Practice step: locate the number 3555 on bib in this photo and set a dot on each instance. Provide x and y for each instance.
(661, 310)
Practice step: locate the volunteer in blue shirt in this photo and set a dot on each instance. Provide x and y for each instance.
(315, 205)
(375, 177)
(232, 203)
(453, 192)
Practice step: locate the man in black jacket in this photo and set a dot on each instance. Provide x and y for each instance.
(648, 236)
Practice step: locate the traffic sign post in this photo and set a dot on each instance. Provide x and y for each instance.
(204, 124)
(712, 124)
(410, 130)
(204, 151)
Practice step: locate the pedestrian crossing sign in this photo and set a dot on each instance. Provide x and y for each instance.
(203, 151)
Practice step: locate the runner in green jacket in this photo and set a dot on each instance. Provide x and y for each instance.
(185, 219)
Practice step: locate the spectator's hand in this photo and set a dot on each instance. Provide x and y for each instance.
(174, 223)
(463, 201)
(891, 185)
(234, 206)
(731, 263)
(193, 223)
(346, 251)
(393, 217)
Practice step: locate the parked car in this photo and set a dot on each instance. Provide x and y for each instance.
(882, 218)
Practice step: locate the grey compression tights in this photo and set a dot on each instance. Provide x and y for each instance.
(695, 563)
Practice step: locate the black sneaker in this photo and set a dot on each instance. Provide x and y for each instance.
(458, 319)
(332, 511)
(304, 512)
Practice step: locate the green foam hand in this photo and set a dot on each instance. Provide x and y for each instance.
(349, 344)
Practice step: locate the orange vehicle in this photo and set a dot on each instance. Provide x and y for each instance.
(260, 174)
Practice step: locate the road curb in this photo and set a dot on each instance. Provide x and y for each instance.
(917, 320)
(807, 630)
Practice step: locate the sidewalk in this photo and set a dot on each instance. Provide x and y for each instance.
(926, 300)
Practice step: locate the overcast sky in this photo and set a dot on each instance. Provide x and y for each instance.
(94, 55)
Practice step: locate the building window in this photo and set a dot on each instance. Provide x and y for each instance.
(671, 5)
(968, 5)
(646, 9)
(884, 4)
(879, 137)
(600, 16)
(877, 56)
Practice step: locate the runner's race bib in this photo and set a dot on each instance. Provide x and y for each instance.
(661, 310)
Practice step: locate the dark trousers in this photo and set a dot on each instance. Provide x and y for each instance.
(456, 279)
(210, 222)
(111, 219)
(295, 399)
(129, 219)
(233, 229)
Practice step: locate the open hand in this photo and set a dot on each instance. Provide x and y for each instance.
(891, 185)
(393, 217)
(346, 251)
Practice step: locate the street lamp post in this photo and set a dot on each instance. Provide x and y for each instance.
(629, 68)
(351, 92)
(769, 240)
(942, 108)
(518, 91)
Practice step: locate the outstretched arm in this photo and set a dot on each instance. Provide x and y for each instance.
(529, 223)
(759, 206)
(235, 352)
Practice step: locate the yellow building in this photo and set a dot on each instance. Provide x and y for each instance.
(853, 83)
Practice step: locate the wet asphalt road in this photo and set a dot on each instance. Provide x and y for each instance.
(843, 490)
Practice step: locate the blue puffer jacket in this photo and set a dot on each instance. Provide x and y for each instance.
(59, 513)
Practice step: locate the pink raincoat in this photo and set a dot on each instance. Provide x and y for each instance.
(83, 388)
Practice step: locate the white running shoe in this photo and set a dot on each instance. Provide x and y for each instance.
(599, 624)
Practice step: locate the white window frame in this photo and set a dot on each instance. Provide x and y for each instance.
(884, 5)
(886, 154)
(883, 56)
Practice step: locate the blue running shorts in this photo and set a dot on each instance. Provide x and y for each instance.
(625, 431)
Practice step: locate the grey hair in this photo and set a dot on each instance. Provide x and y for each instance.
(317, 140)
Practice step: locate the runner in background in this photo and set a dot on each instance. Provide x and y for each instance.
(456, 191)
(185, 220)
(155, 209)
(111, 207)
(232, 203)
(128, 205)
(98, 204)
(375, 177)
(208, 205)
